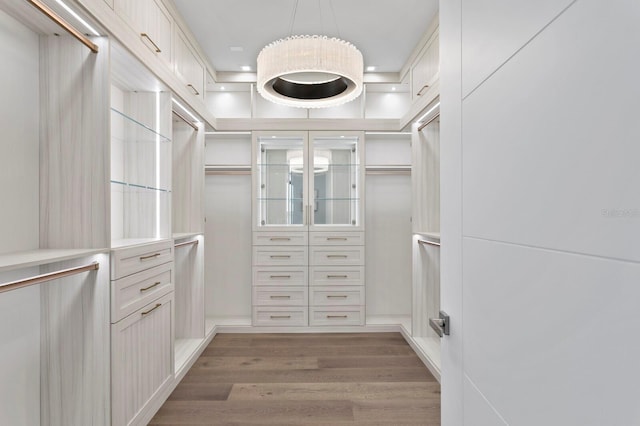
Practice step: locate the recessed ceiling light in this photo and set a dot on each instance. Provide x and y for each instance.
(371, 68)
(221, 87)
(393, 88)
(236, 49)
(245, 68)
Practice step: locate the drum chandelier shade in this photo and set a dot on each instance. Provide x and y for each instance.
(310, 71)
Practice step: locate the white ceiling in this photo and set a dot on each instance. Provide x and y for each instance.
(385, 31)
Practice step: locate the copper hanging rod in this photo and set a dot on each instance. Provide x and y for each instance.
(186, 243)
(183, 118)
(14, 285)
(51, 14)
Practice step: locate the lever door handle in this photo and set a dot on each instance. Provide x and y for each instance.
(440, 325)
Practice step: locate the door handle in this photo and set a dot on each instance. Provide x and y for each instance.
(440, 325)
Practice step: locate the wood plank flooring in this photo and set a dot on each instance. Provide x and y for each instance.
(372, 379)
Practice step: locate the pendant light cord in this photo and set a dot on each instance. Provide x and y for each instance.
(293, 18)
(334, 18)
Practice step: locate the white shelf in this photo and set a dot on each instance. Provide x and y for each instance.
(131, 242)
(430, 235)
(184, 349)
(403, 320)
(29, 258)
(185, 235)
(431, 348)
(227, 321)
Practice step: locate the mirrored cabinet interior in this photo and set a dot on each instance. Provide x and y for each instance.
(308, 242)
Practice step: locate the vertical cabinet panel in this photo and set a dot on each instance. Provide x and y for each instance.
(426, 67)
(142, 358)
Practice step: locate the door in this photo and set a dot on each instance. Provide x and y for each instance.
(540, 213)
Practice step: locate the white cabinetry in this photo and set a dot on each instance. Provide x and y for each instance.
(425, 69)
(151, 21)
(188, 66)
(308, 240)
(142, 359)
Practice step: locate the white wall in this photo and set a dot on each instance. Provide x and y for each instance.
(19, 145)
(547, 97)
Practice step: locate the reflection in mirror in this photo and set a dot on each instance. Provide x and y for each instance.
(281, 182)
(335, 180)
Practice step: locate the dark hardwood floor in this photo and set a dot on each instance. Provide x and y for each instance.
(305, 379)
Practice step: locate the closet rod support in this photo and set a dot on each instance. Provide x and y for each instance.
(51, 14)
(26, 282)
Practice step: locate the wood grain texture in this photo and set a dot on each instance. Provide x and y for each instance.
(189, 291)
(74, 143)
(425, 178)
(426, 289)
(188, 178)
(287, 379)
(75, 386)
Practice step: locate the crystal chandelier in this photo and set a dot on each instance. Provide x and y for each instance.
(310, 71)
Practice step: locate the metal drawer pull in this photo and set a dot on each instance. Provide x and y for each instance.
(152, 309)
(151, 256)
(337, 238)
(343, 296)
(333, 277)
(280, 256)
(280, 239)
(195, 91)
(145, 35)
(337, 316)
(280, 316)
(280, 276)
(280, 297)
(421, 92)
(337, 256)
(157, 283)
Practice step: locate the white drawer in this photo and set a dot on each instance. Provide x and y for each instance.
(131, 293)
(336, 256)
(336, 296)
(280, 238)
(278, 317)
(347, 315)
(280, 256)
(336, 238)
(280, 296)
(279, 275)
(127, 261)
(336, 275)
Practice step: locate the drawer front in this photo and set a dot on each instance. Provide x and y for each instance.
(336, 256)
(337, 238)
(336, 296)
(280, 238)
(278, 317)
(280, 296)
(128, 261)
(131, 293)
(337, 316)
(280, 256)
(141, 358)
(277, 275)
(336, 276)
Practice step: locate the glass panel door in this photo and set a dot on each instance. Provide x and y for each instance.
(335, 178)
(281, 180)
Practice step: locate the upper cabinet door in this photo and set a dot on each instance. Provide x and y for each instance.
(188, 66)
(151, 21)
(280, 181)
(426, 67)
(336, 180)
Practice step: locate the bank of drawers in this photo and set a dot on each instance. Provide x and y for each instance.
(308, 278)
(336, 278)
(280, 279)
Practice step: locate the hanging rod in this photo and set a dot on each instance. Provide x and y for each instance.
(187, 243)
(227, 169)
(388, 170)
(14, 285)
(183, 118)
(431, 243)
(423, 125)
(51, 14)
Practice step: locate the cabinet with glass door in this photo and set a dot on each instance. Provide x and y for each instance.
(308, 222)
